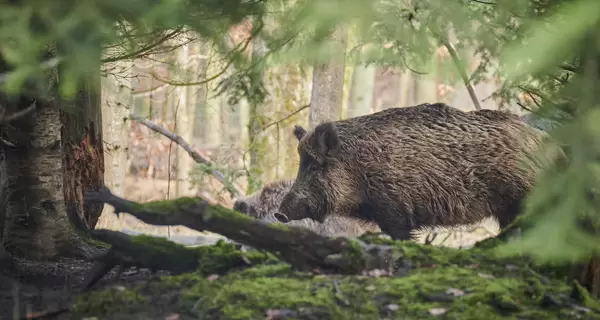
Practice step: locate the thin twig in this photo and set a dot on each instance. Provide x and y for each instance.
(461, 70)
(17, 115)
(285, 118)
(233, 190)
(47, 64)
(144, 50)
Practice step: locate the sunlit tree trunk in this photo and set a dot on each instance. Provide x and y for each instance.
(361, 91)
(328, 82)
(185, 123)
(115, 99)
(256, 138)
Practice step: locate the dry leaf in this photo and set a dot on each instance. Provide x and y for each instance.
(392, 307)
(277, 314)
(174, 316)
(511, 267)
(455, 292)
(437, 311)
(486, 276)
(213, 277)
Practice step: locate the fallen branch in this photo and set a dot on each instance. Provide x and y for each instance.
(4, 118)
(302, 248)
(140, 252)
(233, 190)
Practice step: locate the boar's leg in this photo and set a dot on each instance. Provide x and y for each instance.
(507, 215)
(395, 224)
(397, 233)
(392, 221)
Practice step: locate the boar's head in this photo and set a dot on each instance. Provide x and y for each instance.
(324, 184)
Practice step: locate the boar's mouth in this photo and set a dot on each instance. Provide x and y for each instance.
(301, 211)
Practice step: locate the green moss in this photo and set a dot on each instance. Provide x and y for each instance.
(108, 300)
(225, 213)
(581, 295)
(223, 256)
(464, 284)
(168, 205)
(160, 253)
(280, 226)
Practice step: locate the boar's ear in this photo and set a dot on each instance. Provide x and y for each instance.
(326, 139)
(299, 132)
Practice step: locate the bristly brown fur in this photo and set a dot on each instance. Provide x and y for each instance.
(264, 203)
(415, 167)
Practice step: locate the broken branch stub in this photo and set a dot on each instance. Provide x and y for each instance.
(302, 248)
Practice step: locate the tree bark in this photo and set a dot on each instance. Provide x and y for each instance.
(184, 124)
(328, 82)
(57, 156)
(83, 154)
(361, 91)
(116, 96)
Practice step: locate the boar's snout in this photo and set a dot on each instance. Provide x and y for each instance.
(281, 217)
(244, 207)
(293, 208)
(241, 206)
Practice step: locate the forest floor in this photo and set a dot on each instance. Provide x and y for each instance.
(46, 286)
(37, 287)
(429, 283)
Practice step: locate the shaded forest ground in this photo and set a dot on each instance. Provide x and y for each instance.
(51, 285)
(428, 283)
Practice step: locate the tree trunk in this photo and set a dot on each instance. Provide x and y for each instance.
(116, 96)
(361, 91)
(3, 199)
(256, 139)
(57, 157)
(328, 82)
(83, 154)
(184, 124)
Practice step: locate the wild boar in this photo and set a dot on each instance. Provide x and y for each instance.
(415, 168)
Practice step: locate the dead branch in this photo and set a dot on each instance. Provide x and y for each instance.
(461, 70)
(125, 253)
(233, 189)
(47, 64)
(147, 49)
(285, 118)
(17, 115)
(302, 248)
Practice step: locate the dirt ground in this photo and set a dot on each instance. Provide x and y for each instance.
(32, 287)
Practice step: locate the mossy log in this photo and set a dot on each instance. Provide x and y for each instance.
(302, 248)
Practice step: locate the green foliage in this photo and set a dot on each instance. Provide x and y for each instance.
(79, 29)
(561, 215)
